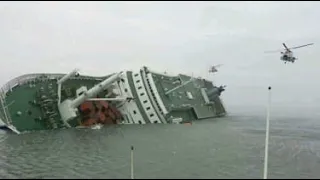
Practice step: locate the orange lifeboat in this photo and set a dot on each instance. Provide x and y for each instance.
(86, 107)
(98, 112)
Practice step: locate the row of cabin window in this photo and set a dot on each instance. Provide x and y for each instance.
(155, 97)
(151, 115)
(154, 122)
(141, 94)
(126, 90)
(145, 101)
(136, 82)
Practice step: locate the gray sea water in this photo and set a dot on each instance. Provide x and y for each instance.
(230, 147)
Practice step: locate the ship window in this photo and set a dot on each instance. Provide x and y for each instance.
(136, 75)
(145, 101)
(137, 81)
(148, 108)
(134, 112)
(151, 115)
(125, 90)
(80, 93)
(141, 94)
(139, 87)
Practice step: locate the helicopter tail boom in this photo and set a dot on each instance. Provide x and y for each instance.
(301, 46)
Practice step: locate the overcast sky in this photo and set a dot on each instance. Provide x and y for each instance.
(178, 37)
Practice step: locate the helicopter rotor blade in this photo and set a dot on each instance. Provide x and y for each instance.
(285, 46)
(301, 46)
(273, 51)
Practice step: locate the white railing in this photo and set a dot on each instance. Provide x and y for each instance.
(27, 77)
(4, 109)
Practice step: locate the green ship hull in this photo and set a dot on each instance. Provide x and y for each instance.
(50, 101)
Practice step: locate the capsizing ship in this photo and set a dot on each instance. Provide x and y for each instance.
(50, 101)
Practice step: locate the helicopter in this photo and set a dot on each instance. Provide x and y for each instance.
(287, 55)
(214, 69)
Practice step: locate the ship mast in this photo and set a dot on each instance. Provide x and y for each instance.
(265, 170)
(132, 172)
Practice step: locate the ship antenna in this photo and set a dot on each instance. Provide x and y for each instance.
(132, 177)
(265, 171)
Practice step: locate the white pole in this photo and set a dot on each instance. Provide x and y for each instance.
(132, 177)
(265, 171)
